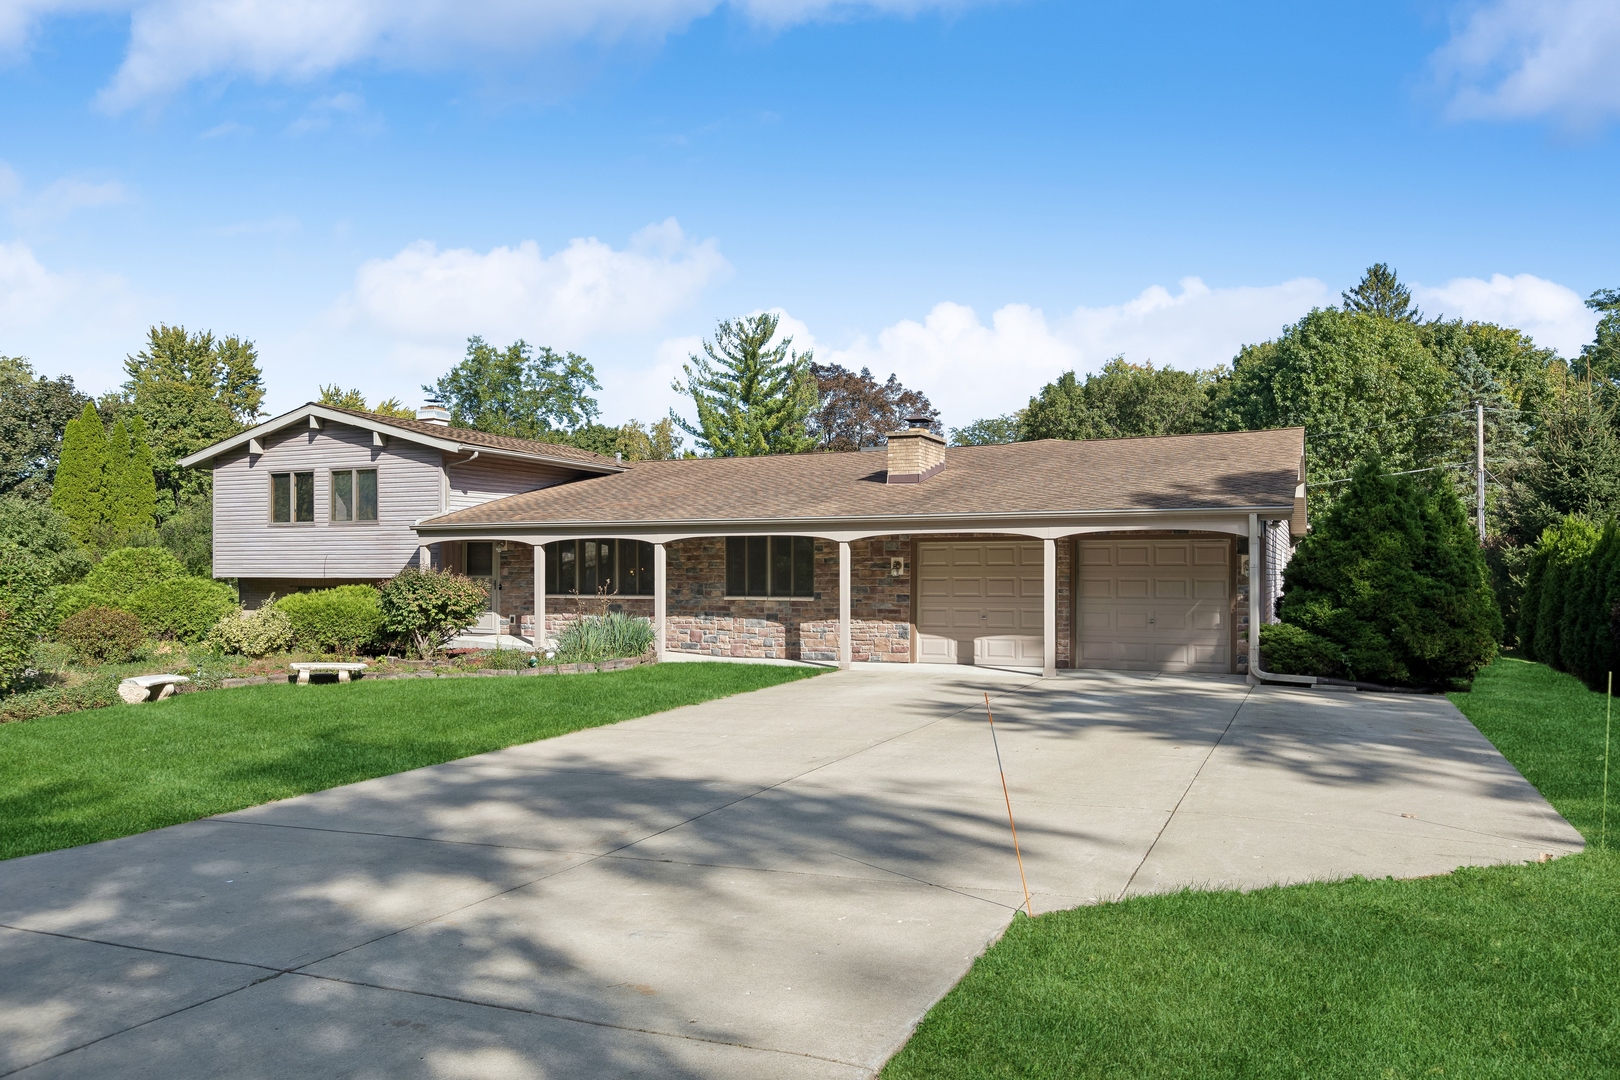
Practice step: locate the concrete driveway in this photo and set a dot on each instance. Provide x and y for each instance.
(773, 885)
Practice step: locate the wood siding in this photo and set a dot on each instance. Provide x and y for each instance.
(247, 545)
(488, 477)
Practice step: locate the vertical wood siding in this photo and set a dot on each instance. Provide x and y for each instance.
(489, 477)
(247, 545)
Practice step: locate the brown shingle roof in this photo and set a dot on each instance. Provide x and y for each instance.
(484, 438)
(1222, 471)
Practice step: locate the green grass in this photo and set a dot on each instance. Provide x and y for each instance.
(67, 780)
(1501, 972)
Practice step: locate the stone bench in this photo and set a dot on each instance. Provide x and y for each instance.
(150, 687)
(343, 671)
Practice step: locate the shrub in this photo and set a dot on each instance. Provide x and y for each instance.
(25, 611)
(117, 578)
(594, 638)
(101, 635)
(1394, 578)
(46, 535)
(253, 633)
(343, 620)
(183, 608)
(425, 607)
(98, 693)
(1294, 650)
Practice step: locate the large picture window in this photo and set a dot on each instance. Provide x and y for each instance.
(354, 495)
(292, 496)
(589, 567)
(771, 566)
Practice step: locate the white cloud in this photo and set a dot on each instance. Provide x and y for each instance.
(1514, 59)
(57, 199)
(80, 323)
(1554, 315)
(971, 369)
(174, 42)
(431, 297)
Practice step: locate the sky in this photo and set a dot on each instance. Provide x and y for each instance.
(975, 196)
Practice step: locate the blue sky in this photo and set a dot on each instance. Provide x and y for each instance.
(976, 196)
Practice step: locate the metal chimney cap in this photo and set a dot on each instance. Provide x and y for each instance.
(919, 421)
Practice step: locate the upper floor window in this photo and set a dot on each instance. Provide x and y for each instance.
(292, 496)
(588, 567)
(354, 495)
(770, 566)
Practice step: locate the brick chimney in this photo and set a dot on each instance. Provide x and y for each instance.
(916, 453)
(434, 412)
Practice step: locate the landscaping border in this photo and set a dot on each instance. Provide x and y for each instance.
(620, 664)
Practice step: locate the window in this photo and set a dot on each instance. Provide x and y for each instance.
(480, 558)
(770, 566)
(354, 495)
(292, 496)
(588, 567)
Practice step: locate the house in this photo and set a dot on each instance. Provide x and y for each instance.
(1121, 553)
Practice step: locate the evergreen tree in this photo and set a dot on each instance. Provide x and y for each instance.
(1392, 579)
(80, 491)
(1573, 466)
(1563, 545)
(131, 488)
(751, 397)
(1381, 293)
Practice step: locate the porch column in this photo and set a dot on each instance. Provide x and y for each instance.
(424, 558)
(660, 606)
(1254, 597)
(844, 652)
(1049, 608)
(539, 597)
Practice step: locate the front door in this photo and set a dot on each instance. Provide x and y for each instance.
(980, 602)
(484, 566)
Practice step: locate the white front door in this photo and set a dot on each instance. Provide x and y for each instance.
(1155, 604)
(979, 602)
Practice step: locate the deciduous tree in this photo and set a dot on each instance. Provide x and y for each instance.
(354, 399)
(1121, 400)
(34, 414)
(751, 396)
(854, 410)
(990, 430)
(1603, 355)
(519, 391)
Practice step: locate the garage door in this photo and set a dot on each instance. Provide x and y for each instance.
(979, 603)
(1155, 605)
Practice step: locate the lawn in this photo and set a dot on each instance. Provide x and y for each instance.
(94, 775)
(1500, 972)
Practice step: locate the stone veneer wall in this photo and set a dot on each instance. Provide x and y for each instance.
(702, 619)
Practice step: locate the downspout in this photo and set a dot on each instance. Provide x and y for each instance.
(1257, 674)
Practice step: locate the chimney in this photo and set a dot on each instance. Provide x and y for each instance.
(916, 453)
(434, 412)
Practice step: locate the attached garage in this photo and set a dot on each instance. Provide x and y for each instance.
(1155, 604)
(979, 602)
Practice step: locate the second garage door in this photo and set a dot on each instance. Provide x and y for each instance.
(979, 602)
(1155, 605)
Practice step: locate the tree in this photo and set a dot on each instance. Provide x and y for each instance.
(1391, 582)
(1381, 293)
(131, 487)
(354, 399)
(80, 491)
(855, 410)
(655, 443)
(427, 607)
(1573, 465)
(190, 390)
(519, 391)
(25, 611)
(751, 397)
(34, 414)
(1120, 401)
(990, 430)
(45, 536)
(1602, 357)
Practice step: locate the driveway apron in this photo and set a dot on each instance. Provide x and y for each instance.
(778, 884)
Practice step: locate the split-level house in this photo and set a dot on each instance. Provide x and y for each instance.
(1119, 553)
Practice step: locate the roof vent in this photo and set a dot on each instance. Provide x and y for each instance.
(434, 412)
(915, 453)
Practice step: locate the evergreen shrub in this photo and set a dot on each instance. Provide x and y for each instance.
(1393, 578)
(1294, 650)
(183, 608)
(117, 578)
(25, 611)
(1572, 583)
(253, 633)
(344, 620)
(427, 607)
(101, 635)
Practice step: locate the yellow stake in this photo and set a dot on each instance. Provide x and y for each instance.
(1608, 721)
(1028, 906)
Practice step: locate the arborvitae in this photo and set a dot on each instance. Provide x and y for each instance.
(1535, 573)
(79, 490)
(1596, 657)
(1607, 646)
(1574, 625)
(1562, 546)
(131, 498)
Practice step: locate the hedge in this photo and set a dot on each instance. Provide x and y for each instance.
(1570, 613)
(345, 619)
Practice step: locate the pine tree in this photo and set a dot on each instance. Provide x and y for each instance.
(751, 397)
(1380, 292)
(79, 493)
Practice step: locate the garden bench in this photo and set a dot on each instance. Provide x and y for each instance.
(344, 671)
(150, 687)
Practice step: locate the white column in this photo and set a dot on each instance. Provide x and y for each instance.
(660, 605)
(539, 596)
(845, 654)
(424, 558)
(495, 582)
(1256, 583)
(1049, 609)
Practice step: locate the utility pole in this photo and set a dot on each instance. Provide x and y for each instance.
(1479, 466)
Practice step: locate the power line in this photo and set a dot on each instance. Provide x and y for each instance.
(1403, 472)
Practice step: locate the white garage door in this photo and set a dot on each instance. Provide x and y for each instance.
(1155, 605)
(979, 602)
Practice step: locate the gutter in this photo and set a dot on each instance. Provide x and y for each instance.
(1256, 672)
